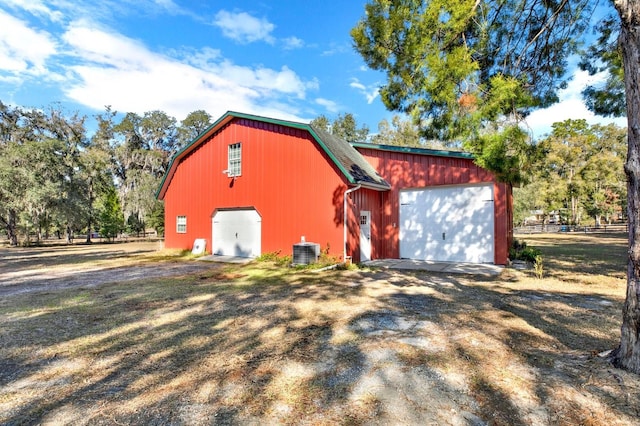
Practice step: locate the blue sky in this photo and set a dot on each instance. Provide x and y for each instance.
(287, 59)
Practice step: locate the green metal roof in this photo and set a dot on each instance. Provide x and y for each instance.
(412, 150)
(346, 158)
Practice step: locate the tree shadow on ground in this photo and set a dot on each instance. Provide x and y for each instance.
(554, 334)
(143, 352)
(231, 347)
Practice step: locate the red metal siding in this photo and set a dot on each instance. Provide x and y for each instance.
(366, 200)
(285, 176)
(409, 170)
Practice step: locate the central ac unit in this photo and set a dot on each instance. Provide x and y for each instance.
(305, 253)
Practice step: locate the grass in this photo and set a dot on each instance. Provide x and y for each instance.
(264, 343)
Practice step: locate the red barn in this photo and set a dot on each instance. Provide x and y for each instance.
(251, 185)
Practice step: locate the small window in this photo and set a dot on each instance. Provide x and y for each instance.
(181, 225)
(235, 159)
(363, 220)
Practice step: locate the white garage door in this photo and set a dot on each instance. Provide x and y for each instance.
(237, 233)
(449, 224)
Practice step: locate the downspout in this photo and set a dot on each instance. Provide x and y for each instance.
(346, 216)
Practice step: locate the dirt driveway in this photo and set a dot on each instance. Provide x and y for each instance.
(265, 344)
(48, 268)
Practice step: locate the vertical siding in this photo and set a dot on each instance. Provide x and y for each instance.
(285, 176)
(373, 201)
(411, 170)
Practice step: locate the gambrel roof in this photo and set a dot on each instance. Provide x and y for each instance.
(352, 165)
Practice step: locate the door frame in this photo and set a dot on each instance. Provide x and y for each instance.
(257, 250)
(442, 232)
(365, 235)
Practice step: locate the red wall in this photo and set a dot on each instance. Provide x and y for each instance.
(290, 181)
(410, 170)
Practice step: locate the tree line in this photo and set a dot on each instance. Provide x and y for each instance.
(56, 179)
(577, 176)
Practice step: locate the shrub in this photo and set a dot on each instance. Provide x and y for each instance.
(520, 251)
(275, 257)
(272, 256)
(530, 254)
(325, 259)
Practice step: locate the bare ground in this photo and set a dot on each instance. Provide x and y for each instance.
(48, 268)
(261, 344)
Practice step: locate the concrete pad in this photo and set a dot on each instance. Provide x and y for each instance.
(226, 259)
(432, 266)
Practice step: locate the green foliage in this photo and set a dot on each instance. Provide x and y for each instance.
(111, 219)
(44, 181)
(530, 254)
(581, 171)
(400, 133)
(608, 97)
(134, 226)
(322, 122)
(507, 153)
(459, 69)
(344, 126)
(520, 251)
(194, 123)
(156, 219)
(526, 199)
(275, 257)
(271, 256)
(324, 260)
(52, 173)
(143, 148)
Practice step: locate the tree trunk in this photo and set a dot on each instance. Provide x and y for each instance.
(69, 235)
(627, 355)
(90, 220)
(11, 228)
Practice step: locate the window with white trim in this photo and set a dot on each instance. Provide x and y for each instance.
(181, 224)
(235, 159)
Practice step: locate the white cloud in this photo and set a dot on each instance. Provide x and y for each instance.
(570, 106)
(168, 5)
(266, 80)
(37, 8)
(329, 105)
(64, 11)
(291, 43)
(202, 58)
(94, 45)
(244, 28)
(23, 50)
(114, 70)
(336, 49)
(370, 92)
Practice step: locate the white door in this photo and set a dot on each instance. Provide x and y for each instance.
(365, 236)
(450, 224)
(237, 233)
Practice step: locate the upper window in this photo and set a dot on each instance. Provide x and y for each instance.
(235, 159)
(181, 225)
